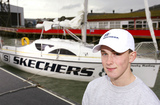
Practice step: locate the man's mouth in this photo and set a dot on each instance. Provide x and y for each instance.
(111, 69)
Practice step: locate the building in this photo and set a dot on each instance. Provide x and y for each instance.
(17, 16)
(11, 16)
(130, 21)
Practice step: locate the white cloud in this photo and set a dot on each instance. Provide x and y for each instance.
(56, 8)
(71, 6)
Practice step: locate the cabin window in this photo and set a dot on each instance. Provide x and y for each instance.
(62, 51)
(41, 47)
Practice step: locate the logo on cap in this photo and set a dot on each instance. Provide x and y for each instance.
(107, 36)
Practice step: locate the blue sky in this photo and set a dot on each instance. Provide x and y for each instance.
(58, 8)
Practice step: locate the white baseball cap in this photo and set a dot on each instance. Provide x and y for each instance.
(119, 40)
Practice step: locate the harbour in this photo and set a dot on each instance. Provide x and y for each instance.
(44, 55)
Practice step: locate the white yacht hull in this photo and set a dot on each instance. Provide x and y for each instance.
(77, 70)
(73, 70)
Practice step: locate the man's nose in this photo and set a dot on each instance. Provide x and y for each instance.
(109, 59)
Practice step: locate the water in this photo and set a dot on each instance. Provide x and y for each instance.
(72, 90)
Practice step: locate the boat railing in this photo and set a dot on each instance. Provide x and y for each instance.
(146, 50)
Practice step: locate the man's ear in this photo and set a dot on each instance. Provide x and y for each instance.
(132, 56)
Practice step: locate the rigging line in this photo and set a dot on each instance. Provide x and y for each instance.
(18, 89)
(30, 78)
(73, 35)
(42, 33)
(21, 88)
(94, 41)
(41, 38)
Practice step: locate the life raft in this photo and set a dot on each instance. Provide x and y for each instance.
(24, 41)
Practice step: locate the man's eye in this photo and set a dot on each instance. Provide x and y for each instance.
(104, 54)
(117, 53)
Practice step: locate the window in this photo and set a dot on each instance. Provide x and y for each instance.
(103, 25)
(131, 26)
(92, 25)
(131, 22)
(115, 24)
(41, 48)
(63, 52)
(124, 27)
(155, 25)
(128, 25)
(111, 24)
(139, 24)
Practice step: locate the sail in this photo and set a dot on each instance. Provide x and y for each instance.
(75, 23)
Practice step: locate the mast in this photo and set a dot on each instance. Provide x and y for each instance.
(148, 16)
(84, 26)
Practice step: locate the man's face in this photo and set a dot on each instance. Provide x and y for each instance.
(115, 64)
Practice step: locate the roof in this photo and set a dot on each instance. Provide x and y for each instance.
(131, 15)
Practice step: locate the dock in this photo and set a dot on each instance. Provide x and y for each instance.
(15, 90)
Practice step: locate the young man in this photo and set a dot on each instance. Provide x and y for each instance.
(119, 86)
